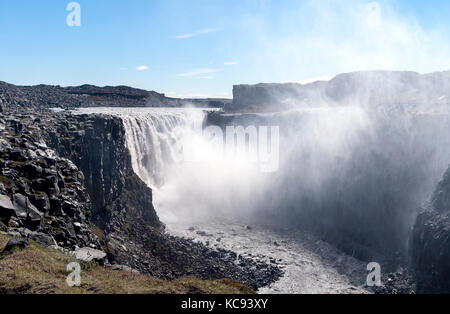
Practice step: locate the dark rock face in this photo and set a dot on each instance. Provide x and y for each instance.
(41, 192)
(371, 89)
(97, 146)
(26, 211)
(430, 243)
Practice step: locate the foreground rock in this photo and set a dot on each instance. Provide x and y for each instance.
(41, 193)
(87, 254)
(15, 244)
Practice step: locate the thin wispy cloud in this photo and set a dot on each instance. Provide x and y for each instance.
(231, 63)
(142, 68)
(197, 33)
(199, 72)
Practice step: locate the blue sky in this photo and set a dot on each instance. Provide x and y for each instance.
(194, 48)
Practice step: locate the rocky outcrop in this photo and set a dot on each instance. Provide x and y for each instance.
(90, 255)
(42, 196)
(369, 89)
(96, 144)
(47, 96)
(430, 243)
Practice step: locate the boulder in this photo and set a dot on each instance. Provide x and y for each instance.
(90, 255)
(16, 243)
(17, 155)
(6, 208)
(20, 206)
(43, 239)
(34, 215)
(123, 268)
(26, 211)
(70, 208)
(42, 202)
(4, 144)
(32, 170)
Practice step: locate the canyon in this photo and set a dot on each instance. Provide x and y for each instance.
(361, 179)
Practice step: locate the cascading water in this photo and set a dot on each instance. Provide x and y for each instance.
(154, 137)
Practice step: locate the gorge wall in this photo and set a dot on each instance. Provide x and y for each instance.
(42, 195)
(355, 177)
(370, 89)
(430, 242)
(97, 146)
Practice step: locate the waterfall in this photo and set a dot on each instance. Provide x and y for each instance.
(153, 140)
(155, 137)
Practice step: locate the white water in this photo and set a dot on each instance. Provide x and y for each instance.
(217, 196)
(153, 137)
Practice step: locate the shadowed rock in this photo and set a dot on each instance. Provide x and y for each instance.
(16, 243)
(6, 208)
(430, 243)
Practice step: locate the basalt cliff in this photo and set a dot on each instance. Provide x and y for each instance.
(371, 89)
